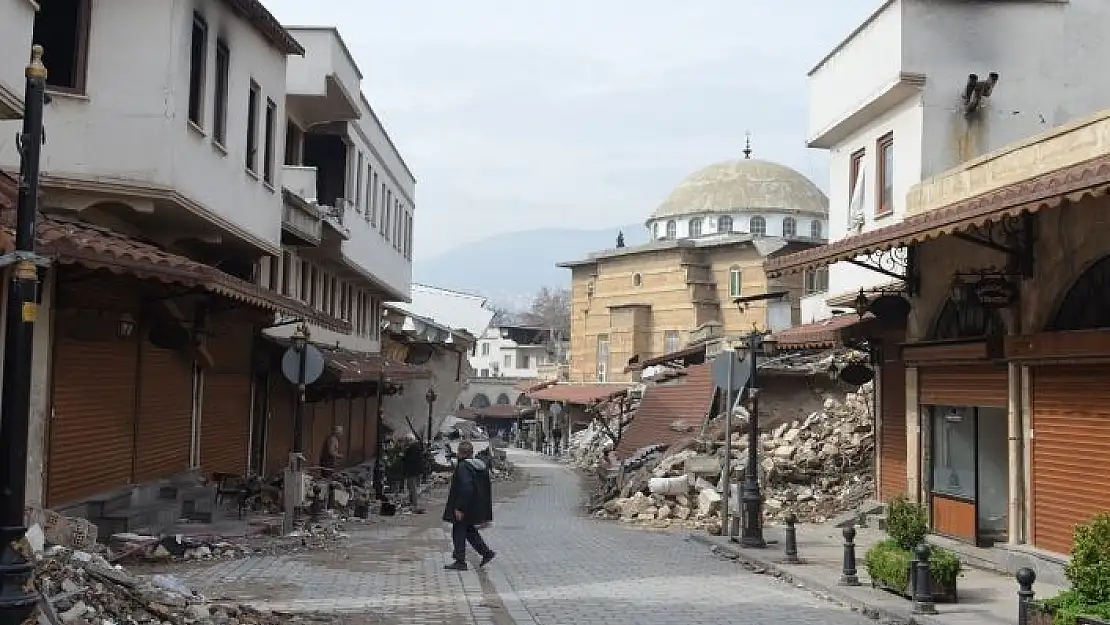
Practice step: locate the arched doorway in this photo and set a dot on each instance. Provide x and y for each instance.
(1070, 410)
(503, 400)
(523, 400)
(479, 401)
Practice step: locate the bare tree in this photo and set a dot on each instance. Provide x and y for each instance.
(551, 310)
(501, 316)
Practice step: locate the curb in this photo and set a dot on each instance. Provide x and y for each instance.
(833, 593)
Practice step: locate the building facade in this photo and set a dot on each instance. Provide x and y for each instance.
(893, 106)
(701, 280)
(512, 351)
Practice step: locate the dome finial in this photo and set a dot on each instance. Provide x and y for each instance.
(748, 145)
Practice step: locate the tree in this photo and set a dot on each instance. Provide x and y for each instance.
(551, 311)
(501, 316)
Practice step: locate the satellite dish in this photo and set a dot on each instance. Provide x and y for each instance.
(313, 364)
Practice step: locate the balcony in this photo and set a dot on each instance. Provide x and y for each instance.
(300, 218)
(336, 217)
(324, 84)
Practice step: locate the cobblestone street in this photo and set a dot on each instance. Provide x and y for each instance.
(554, 567)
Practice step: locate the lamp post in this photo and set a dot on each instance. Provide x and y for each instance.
(300, 342)
(16, 603)
(751, 498)
(379, 486)
(430, 397)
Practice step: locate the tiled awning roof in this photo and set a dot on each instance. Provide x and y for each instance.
(819, 334)
(583, 394)
(353, 367)
(497, 411)
(1090, 177)
(93, 247)
(683, 403)
(685, 357)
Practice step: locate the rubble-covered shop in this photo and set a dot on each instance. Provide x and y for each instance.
(501, 420)
(568, 405)
(151, 371)
(1007, 344)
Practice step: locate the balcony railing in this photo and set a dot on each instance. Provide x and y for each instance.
(336, 216)
(305, 222)
(300, 180)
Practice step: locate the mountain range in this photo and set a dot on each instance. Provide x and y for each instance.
(510, 268)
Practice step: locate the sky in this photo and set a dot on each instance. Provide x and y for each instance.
(517, 115)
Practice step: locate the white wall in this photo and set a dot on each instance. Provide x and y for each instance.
(498, 349)
(132, 122)
(17, 18)
(325, 54)
(741, 223)
(453, 309)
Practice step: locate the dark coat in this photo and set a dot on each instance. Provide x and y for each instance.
(412, 461)
(470, 492)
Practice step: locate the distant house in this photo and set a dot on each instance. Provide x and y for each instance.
(514, 351)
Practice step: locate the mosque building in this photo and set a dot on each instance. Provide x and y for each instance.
(699, 281)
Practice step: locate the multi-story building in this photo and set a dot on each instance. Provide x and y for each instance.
(512, 351)
(16, 20)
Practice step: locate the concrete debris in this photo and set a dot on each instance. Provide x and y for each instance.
(816, 468)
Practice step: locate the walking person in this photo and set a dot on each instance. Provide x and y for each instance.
(557, 434)
(469, 504)
(412, 465)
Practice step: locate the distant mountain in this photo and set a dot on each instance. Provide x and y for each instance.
(510, 268)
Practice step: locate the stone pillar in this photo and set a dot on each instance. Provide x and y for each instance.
(1016, 460)
(40, 393)
(913, 437)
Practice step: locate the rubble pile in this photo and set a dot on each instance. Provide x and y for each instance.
(816, 468)
(82, 588)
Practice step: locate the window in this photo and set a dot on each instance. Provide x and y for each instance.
(219, 101)
(758, 226)
(816, 280)
(508, 361)
(369, 189)
(358, 183)
(62, 29)
(484, 373)
(637, 280)
(954, 471)
(286, 272)
(855, 166)
(789, 227)
(815, 229)
(655, 230)
(672, 229)
(695, 227)
(271, 120)
(374, 201)
(602, 357)
(387, 214)
(524, 361)
(671, 341)
(384, 206)
(252, 128)
(735, 281)
(198, 58)
(885, 179)
(485, 349)
(724, 224)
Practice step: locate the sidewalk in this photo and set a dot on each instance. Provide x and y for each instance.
(985, 597)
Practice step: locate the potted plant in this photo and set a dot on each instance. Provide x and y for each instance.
(1087, 602)
(890, 562)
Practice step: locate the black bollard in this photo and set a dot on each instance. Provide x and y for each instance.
(923, 588)
(848, 576)
(791, 539)
(1025, 578)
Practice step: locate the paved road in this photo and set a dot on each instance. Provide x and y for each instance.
(557, 567)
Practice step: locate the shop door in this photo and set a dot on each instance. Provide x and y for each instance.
(964, 409)
(165, 417)
(259, 422)
(1070, 450)
(323, 417)
(225, 423)
(358, 430)
(92, 429)
(279, 432)
(892, 442)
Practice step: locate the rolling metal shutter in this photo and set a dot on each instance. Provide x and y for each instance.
(279, 433)
(92, 432)
(226, 413)
(371, 433)
(1070, 451)
(343, 419)
(322, 415)
(965, 385)
(165, 415)
(892, 441)
(357, 433)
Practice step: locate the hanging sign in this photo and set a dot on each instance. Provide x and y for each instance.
(995, 292)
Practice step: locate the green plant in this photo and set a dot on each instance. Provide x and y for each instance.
(1089, 567)
(1069, 605)
(906, 523)
(888, 562)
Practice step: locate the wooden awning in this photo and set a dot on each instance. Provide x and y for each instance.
(1071, 183)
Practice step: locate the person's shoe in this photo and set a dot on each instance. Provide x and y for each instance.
(487, 558)
(456, 566)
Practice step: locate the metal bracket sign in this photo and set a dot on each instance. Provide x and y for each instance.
(313, 364)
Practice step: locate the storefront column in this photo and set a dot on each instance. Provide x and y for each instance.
(1017, 460)
(1026, 488)
(913, 437)
(877, 411)
(40, 392)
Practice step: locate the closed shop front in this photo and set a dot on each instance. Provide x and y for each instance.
(343, 420)
(357, 433)
(892, 441)
(322, 417)
(226, 412)
(1070, 451)
(964, 418)
(165, 415)
(279, 431)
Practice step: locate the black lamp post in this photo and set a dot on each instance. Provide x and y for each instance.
(16, 603)
(431, 398)
(300, 342)
(751, 498)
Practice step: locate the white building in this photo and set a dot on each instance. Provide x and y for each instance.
(347, 226)
(462, 311)
(17, 18)
(889, 105)
(511, 351)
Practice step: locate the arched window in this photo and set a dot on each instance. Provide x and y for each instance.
(523, 400)
(479, 401)
(758, 226)
(503, 400)
(815, 229)
(967, 321)
(789, 227)
(724, 224)
(695, 227)
(735, 281)
(672, 229)
(655, 230)
(1085, 307)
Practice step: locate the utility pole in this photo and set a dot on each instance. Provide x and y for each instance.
(751, 497)
(16, 602)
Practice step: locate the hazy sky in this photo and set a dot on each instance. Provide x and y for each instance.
(521, 114)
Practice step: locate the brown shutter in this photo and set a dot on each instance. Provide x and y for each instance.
(1071, 451)
(279, 433)
(226, 413)
(92, 430)
(966, 385)
(358, 430)
(892, 442)
(343, 418)
(323, 416)
(371, 425)
(165, 413)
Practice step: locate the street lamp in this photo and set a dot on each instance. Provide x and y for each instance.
(430, 397)
(300, 343)
(751, 498)
(16, 602)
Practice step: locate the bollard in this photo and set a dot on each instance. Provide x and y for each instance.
(849, 576)
(791, 539)
(923, 588)
(1025, 578)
